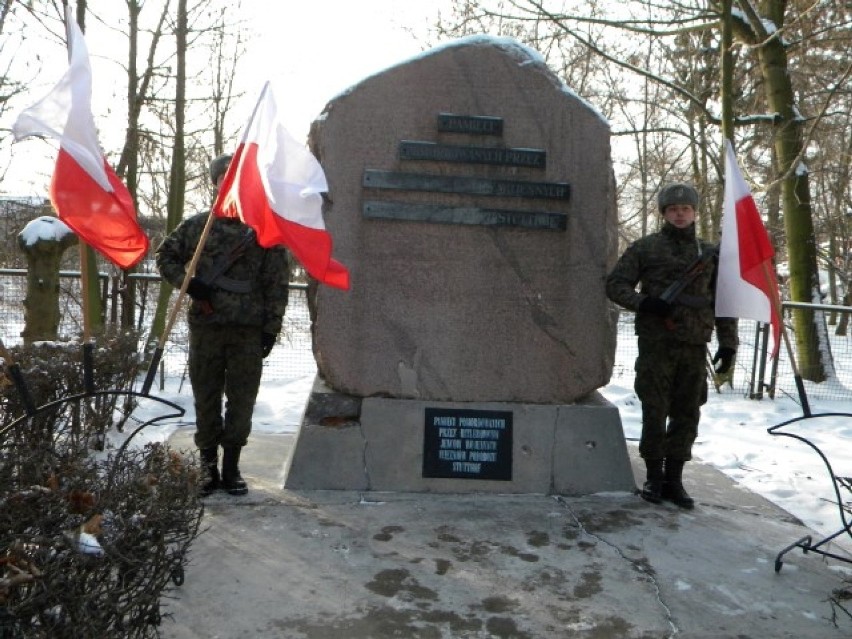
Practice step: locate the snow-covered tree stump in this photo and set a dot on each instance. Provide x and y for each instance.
(43, 240)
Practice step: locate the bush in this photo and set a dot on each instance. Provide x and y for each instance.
(90, 539)
(53, 371)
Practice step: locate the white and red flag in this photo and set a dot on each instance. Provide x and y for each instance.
(85, 191)
(747, 286)
(273, 185)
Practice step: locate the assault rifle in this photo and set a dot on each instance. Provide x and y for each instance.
(216, 273)
(674, 292)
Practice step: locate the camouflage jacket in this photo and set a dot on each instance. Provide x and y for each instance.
(654, 262)
(260, 276)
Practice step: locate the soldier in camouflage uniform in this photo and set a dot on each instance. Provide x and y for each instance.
(239, 295)
(671, 371)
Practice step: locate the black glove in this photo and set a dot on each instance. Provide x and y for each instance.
(199, 290)
(725, 357)
(655, 306)
(267, 341)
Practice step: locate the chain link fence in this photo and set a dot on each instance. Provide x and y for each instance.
(837, 359)
(291, 357)
(756, 375)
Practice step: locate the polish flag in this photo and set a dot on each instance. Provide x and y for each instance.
(85, 191)
(273, 185)
(746, 286)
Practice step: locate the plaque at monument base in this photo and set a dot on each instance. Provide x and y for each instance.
(573, 449)
(467, 443)
(472, 197)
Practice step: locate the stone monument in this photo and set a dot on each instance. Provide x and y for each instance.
(471, 196)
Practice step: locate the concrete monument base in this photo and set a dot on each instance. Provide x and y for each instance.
(379, 444)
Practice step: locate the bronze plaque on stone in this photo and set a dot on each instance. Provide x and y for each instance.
(471, 215)
(504, 156)
(471, 124)
(395, 180)
(462, 443)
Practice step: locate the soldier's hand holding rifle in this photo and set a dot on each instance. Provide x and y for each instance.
(656, 306)
(201, 292)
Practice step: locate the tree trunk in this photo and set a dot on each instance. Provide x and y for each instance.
(44, 255)
(92, 305)
(843, 324)
(177, 173)
(795, 201)
(795, 189)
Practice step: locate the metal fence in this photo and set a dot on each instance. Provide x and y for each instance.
(755, 374)
(292, 355)
(838, 358)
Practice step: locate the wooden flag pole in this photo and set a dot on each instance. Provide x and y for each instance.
(776, 301)
(190, 271)
(88, 374)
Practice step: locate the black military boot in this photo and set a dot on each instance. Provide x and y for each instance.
(673, 490)
(652, 490)
(210, 467)
(232, 482)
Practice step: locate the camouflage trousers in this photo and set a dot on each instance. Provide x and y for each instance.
(671, 383)
(224, 360)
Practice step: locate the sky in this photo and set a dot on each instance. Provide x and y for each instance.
(733, 435)
(327, 46)
(309, 51)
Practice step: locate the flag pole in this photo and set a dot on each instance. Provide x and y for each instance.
(85, 271)
(797, 377)
(775, 301)
(190, 271)
(84, 291)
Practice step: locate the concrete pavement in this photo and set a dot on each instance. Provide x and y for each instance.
(337, 564)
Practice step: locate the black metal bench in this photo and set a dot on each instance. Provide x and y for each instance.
(842, 487)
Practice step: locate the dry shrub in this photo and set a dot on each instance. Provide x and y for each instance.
(89, 540)
(54, 371)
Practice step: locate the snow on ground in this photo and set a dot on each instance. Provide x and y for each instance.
(733, 435)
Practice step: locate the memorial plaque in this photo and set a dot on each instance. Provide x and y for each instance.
(471, 124)
(416, 150)
(395, 180)
(464, 443)
(439, 214)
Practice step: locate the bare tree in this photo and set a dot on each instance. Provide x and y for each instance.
(11, 84)
(774, 93)
(222, 36)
